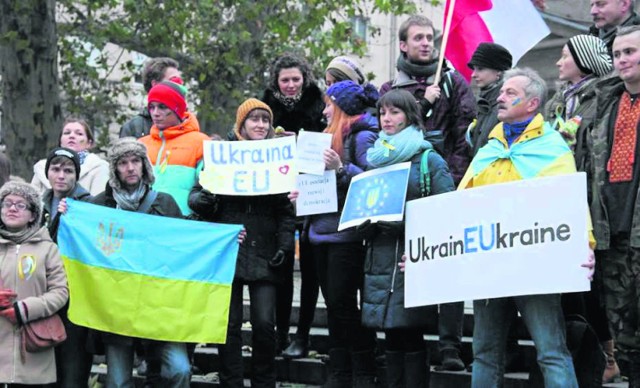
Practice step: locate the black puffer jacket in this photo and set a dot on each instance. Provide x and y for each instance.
(487, 116)
(307, 113)
(383, 297)
(268, 219)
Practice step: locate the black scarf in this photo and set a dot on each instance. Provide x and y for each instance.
(418, 70)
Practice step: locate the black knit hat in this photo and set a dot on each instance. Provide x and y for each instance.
(590, 54)
(67, 153)
(491, 56)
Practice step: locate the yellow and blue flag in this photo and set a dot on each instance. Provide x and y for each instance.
(147, 276)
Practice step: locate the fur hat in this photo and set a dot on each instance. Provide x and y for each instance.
(349, 67)
(124, 147)
(491, 56)
(243, 111)
(590, 54)
(67, 153)
(353, 98)
(172, 95)
(29, 193)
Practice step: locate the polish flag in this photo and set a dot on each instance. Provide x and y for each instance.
(514, 24)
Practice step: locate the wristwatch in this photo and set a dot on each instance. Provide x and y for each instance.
(340, 171)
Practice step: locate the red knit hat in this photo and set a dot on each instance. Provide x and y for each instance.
(170, 94)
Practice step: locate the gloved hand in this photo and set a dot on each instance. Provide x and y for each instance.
(367, 230)
(10, 314)
(206, 202)
(277, 259)
(7, 297)
(391, 228)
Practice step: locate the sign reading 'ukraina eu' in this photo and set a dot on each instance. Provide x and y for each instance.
(255, 167)
(521, 238)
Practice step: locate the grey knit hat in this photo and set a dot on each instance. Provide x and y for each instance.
(124, 147)
(590, 54)
(26, 191)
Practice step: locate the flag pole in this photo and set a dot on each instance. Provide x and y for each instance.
(445, 39)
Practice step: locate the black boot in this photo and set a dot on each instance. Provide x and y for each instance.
(633, 371)
(340, 369)
(364, 369)
(395, 369)
(417, 372)
(299, 348)
(451, 360)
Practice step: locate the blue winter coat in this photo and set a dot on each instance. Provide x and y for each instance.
(383, 297)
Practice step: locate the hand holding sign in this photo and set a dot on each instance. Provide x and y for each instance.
(256, 167)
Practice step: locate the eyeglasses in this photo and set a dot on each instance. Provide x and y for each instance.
(21, 206)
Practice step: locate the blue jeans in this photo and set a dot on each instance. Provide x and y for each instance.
(262, 296)
(543, 316)
(175, 372)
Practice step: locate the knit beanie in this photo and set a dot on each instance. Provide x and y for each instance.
(353, 98)
(590, 54)
(29, 193)
(170, 94)
(66, 152)
(124, 147)
(491, 56)
(243, 111)
(349, 67)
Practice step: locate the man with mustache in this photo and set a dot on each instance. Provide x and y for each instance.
(521, 146)
(608, 15)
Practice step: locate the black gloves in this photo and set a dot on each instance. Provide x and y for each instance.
(391, 228)
(367, 230)
(206, 202)
(277, 259)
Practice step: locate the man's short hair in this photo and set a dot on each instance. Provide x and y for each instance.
(627, 30)
(536, 88)
(414, 20)
(154, 70)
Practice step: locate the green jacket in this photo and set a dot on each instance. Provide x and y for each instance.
(609, 91)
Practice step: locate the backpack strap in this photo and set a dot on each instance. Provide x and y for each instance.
(148, 201)
(425, 177)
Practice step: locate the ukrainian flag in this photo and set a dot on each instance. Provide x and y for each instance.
(147, 276)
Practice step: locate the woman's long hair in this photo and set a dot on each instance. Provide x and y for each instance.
(340, 125)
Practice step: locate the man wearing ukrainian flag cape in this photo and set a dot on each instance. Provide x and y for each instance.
(134, 274)
(521, 146)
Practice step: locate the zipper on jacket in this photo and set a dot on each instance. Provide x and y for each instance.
(159, 160)
(16, 345)
(395, 269)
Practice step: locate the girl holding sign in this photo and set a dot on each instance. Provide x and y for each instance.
(401, 140)
(269, 221)
(340, 255)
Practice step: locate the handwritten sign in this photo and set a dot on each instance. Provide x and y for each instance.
(311, 146)
(318, 194)
(517, 238)
(253, 167)
(377, 194)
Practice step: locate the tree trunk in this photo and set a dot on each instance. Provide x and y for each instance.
(32, 116)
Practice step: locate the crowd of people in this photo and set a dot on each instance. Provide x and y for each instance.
(451, 138)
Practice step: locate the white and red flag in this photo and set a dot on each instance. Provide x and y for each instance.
(514, 24)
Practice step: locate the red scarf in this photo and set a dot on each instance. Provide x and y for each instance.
(620, 165)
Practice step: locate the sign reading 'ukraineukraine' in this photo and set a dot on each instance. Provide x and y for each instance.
(525, 237)
(147, 276)
(255, 167)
